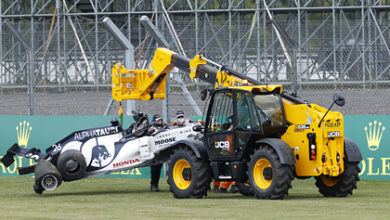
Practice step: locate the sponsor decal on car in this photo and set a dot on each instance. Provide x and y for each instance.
(165, 141)
(95, 133)
(124, 163)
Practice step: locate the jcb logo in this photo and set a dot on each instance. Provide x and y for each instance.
(224, 145)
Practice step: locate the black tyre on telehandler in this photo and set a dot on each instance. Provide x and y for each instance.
(188, 175)
(268, 178)
(244, 188)
(342, 185)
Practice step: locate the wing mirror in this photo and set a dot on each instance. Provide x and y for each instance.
(339, 100)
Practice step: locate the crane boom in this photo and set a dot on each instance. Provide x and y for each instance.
(147, 84)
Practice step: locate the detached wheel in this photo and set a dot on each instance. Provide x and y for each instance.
(269, 179)
(47, 177)
(71, 164)
(38, 189)
(49, 182)
(188, 175)
(244, 188)
(340, 186)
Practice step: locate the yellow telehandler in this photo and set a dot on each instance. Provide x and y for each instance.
(255, 134)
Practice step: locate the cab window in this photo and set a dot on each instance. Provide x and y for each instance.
(246, 112)
(269, 108)
(220, 118)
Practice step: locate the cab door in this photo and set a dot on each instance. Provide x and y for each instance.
(247, 121)
(231, 120)
(219, 133)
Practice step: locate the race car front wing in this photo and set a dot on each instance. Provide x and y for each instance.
(32, 153)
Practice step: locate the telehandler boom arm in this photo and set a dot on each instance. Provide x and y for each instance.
(147, 84)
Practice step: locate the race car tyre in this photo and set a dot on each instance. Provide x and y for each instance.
(38, 189)
(49, 182)
(71, 165)
(188, 175)
(244, 188)
(268, 178)
(47, 177)
(340, 186)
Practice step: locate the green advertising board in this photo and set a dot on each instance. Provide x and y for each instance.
(368, 132)
(371, 134)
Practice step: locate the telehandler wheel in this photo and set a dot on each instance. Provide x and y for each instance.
(342, 185)
(244, 188)
(268, 178)
(188, 175)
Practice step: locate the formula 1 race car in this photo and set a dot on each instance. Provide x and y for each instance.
(102, 150)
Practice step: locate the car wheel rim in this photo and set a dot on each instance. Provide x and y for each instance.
(49, 182)
(262, 173)
(329, 181)
(182, 174)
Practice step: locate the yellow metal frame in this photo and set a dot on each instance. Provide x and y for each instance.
(326, 147)
(144, 84)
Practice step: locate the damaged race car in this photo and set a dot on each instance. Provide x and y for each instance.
(103, 150)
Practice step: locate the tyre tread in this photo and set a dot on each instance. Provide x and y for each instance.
(202, 178)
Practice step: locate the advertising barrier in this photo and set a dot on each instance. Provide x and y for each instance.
(369, 132)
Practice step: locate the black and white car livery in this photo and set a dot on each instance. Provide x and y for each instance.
(99, 151)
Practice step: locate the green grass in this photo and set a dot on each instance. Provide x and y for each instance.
(104, 198)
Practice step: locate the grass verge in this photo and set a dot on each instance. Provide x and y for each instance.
(111, 198)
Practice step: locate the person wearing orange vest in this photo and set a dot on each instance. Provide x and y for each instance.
(224, 186)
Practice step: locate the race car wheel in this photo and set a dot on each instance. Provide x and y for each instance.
(49, 182)
(71, 165)
(38, 189)
(269, 179)
(244, 188)
(188, 175)
(342, 185)
(47, 177)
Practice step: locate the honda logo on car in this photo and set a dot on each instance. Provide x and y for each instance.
(165, 141)
(127, 162)
(224, 145)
